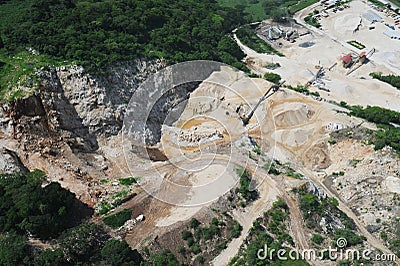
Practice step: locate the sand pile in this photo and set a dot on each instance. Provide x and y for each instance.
(299, 114)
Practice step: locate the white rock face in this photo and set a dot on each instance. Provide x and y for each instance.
(76, 106)
(392, 184)
(9, 162)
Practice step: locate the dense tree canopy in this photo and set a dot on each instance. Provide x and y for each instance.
(100, 33)
(27, 207)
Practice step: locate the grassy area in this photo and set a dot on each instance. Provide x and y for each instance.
(118, 219)
(19, 71)
(253, 8)
(301, 5)
(262, 9)
(128, 181)
(111, 201)
(248, 36)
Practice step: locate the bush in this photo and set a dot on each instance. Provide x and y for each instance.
(194, 223)
(164, 257)
(116, 253)
(235, 230)
(118, 219)
(272, 77)
(127, 181)
(244, 189)
(195, 249)
(351, 237)
(186, 235)
(200, 259)
(317, 239)
(13, 249)
(312, 21)
(300, 89)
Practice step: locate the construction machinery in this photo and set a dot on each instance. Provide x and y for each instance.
(362, 59)
(269, 93)
(316, 80)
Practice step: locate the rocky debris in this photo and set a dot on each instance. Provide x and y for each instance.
(10, 162)
(372, 228)
(317, 156)
(196, 138)
(329, 223)
(193, 136)
(166, 110)
(312, 188)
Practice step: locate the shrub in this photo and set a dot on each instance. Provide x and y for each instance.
(127, 181)
(317, 239)
(272, 77)
(118, 219)
(194, 223)
(186, 235)
(195, 249)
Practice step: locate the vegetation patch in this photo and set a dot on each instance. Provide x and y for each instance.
(313, 21)
(128, 181)
(299, 89)
(272, 77)
(204, 240)
(118, 219)
(390, 79)
(257, 10)
(28, 207)
(245, 190)
(289, 171)
(271, 230)
(272, 167)
(112, 201)
(356, 44)
(273, 66)
(18, 73)
(162, 257)
(314, 209)
(301, 5)
(387, 121)
(248, 36)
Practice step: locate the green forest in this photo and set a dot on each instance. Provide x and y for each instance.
(98, 34)
(30, 208)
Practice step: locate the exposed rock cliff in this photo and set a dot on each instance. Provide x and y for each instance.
(74, 106)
